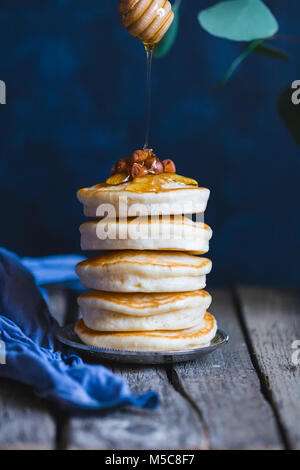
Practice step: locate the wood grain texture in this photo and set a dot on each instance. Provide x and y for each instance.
(174, 425)
(213, 403)
(225, 388)
(25, 422)
(272, 319)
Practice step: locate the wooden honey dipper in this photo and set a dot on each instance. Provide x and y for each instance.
(147, 20)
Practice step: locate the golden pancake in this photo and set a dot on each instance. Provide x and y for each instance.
(144, 271)
(143, 233)
(163, 194)
(111, 321)
(103, 311)
(143, 305)
(197, 336)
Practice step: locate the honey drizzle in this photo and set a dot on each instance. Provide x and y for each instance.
(149, 183)
(149, 54)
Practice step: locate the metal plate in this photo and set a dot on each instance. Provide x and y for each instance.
(67, 336)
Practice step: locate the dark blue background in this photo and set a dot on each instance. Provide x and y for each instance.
(75, 103)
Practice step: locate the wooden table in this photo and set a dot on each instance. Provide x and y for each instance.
(244, 396)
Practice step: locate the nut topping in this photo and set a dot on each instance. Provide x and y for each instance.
(139, 156)
(156, 168)
(141, 163)
(169, 166)
(121, 165)
(138, 170)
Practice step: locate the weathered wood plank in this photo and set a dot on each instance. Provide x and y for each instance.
(226, 390)
(174, 425)
(272, 319)
(25, 422)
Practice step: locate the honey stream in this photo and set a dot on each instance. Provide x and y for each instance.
(149, 54)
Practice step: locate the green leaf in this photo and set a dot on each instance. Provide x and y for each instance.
(239, 20)
(271, 51)
(290, 113)
(251, 47)
(165, 45)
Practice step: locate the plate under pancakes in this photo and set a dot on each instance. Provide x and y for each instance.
(173, 198)
(198, 336)
(144, 271)
(103, 311)
(67, 336)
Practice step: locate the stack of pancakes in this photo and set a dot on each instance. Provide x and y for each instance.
(147, 288)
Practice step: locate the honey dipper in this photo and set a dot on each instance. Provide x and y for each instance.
(147, 20)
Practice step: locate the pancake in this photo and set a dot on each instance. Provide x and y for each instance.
(143, 271)
(197, 336)
(103, 311)
(178, 234)
(171, 197)
(111, 321)
(144, 305)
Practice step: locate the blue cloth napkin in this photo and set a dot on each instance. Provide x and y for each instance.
(29, 350)
(55, 269)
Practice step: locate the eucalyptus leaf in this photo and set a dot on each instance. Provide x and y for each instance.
(239, 20)
(290, 113)
(250, 48)
(165, 45)
(271, 51)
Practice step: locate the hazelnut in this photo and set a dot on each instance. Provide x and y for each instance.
(150, 160)
(139, 156)
(138, 170)
(156, 168)
(169, 166)
(121, 166)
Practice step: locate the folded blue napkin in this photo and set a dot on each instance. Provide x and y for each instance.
(28, 349)
(55, 269)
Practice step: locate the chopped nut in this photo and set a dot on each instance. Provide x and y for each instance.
(150, 160)
(154, 165)
(169, 166)
(139, 156)
(121, 165)
(141, 163)
(156, 168)
(138, 170)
